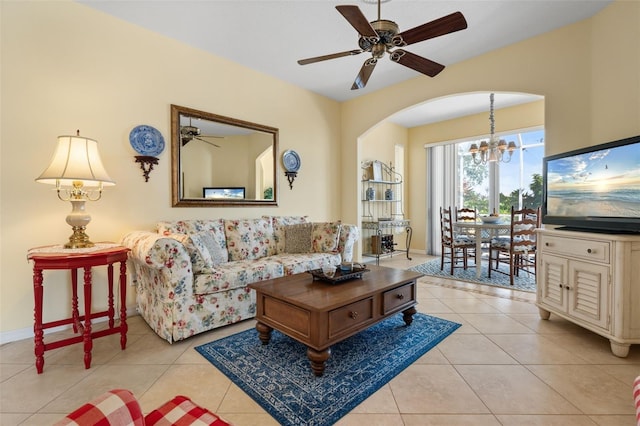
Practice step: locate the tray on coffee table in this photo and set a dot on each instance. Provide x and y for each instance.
(339, 276)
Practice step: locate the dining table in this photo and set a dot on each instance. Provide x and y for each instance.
(484, 230)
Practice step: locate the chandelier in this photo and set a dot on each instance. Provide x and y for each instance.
(495, 149)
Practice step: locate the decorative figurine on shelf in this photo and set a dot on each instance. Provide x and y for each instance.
(148, 142)
(388, 194)
(371, 193)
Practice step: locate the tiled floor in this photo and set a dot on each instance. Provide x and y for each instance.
(504, 366)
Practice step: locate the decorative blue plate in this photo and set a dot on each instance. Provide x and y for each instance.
(146, 140)
(291, 160)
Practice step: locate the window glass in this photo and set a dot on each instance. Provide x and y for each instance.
(519, 181)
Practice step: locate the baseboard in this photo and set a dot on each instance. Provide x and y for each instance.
(27, 333)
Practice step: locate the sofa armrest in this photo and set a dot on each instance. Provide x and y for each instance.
(115, 407)
(349, 234)
(157, 251)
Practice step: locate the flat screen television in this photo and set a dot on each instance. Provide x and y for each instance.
(595, 188)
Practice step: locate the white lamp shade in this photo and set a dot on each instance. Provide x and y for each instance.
(76, 159)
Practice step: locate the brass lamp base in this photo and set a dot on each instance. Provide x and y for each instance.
(78, 239)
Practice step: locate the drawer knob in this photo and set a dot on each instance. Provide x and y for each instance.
(547, 244)
(589, 251)
(400, 296)
(353, 315)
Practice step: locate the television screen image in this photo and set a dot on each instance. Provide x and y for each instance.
(595, 187)
(229, 193)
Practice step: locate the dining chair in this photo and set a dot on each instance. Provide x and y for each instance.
(465, 214)
(457, 246)
(519, 250)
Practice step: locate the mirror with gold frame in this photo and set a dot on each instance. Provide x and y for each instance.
(221, 161)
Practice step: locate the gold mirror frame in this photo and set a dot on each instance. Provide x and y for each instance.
(227, 123)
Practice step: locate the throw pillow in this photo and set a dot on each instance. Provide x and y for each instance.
(297, 238)
(217, 254)
(279, 222)
(325, 236)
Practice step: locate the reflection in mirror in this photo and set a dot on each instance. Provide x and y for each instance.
(221, 161)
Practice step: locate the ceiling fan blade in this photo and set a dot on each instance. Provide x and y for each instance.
(415, 62)
(206, 141)
(357, 20)
(364, 74)
(331, 56)
(441, 26)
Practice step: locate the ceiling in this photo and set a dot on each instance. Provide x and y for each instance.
(270, 36)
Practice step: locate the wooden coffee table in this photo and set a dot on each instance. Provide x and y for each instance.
(320, 314)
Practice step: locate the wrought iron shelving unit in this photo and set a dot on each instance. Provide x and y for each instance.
(383, 214)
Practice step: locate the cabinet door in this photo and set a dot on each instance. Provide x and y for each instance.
(589, 293)
(553, 279)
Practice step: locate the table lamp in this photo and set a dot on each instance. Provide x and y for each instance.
(78, 174)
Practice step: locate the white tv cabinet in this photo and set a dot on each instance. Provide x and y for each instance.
(592, 280)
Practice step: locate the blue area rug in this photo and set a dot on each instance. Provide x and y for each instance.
(525, 282)
(279, 378)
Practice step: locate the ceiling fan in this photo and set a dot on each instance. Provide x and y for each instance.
(382, 36)
(189, 133)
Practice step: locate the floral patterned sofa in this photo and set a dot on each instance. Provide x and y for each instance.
(192, 275)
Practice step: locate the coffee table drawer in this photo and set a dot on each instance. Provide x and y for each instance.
(350, 316)
(398, 297)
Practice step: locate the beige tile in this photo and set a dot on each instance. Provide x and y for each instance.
(495, 323)
(465, 328)
(613, 420)
(449, 420)
(624, 373)
(545, 420)
(534, 349)
(432, 307)
(590, 389)
(41, 419)
(594, 348)
(250, 419)
(150, 349)
(473, 349)
(509, 306)
(359, 419)
(10, 419)
(512, 389)
(204, 384)
(434, 389)
(434, 356)
(554, 325)
(237, 401)
(469, 306)
(9, 370)
(28, 392)
(382, 401)
(102, 379)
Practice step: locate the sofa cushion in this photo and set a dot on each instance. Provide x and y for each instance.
(298, 263)
(236, 274)
(297, 238)
(189, 226)
(210, 248)
(249, 238)
(326, 236)
(279, 222)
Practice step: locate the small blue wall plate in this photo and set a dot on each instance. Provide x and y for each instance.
(146, 140)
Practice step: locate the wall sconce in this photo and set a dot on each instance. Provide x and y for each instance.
(146, 164)
(149, 143)
(291, 162)
(78, 174)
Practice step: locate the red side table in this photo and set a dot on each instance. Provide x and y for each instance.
(56, 257)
